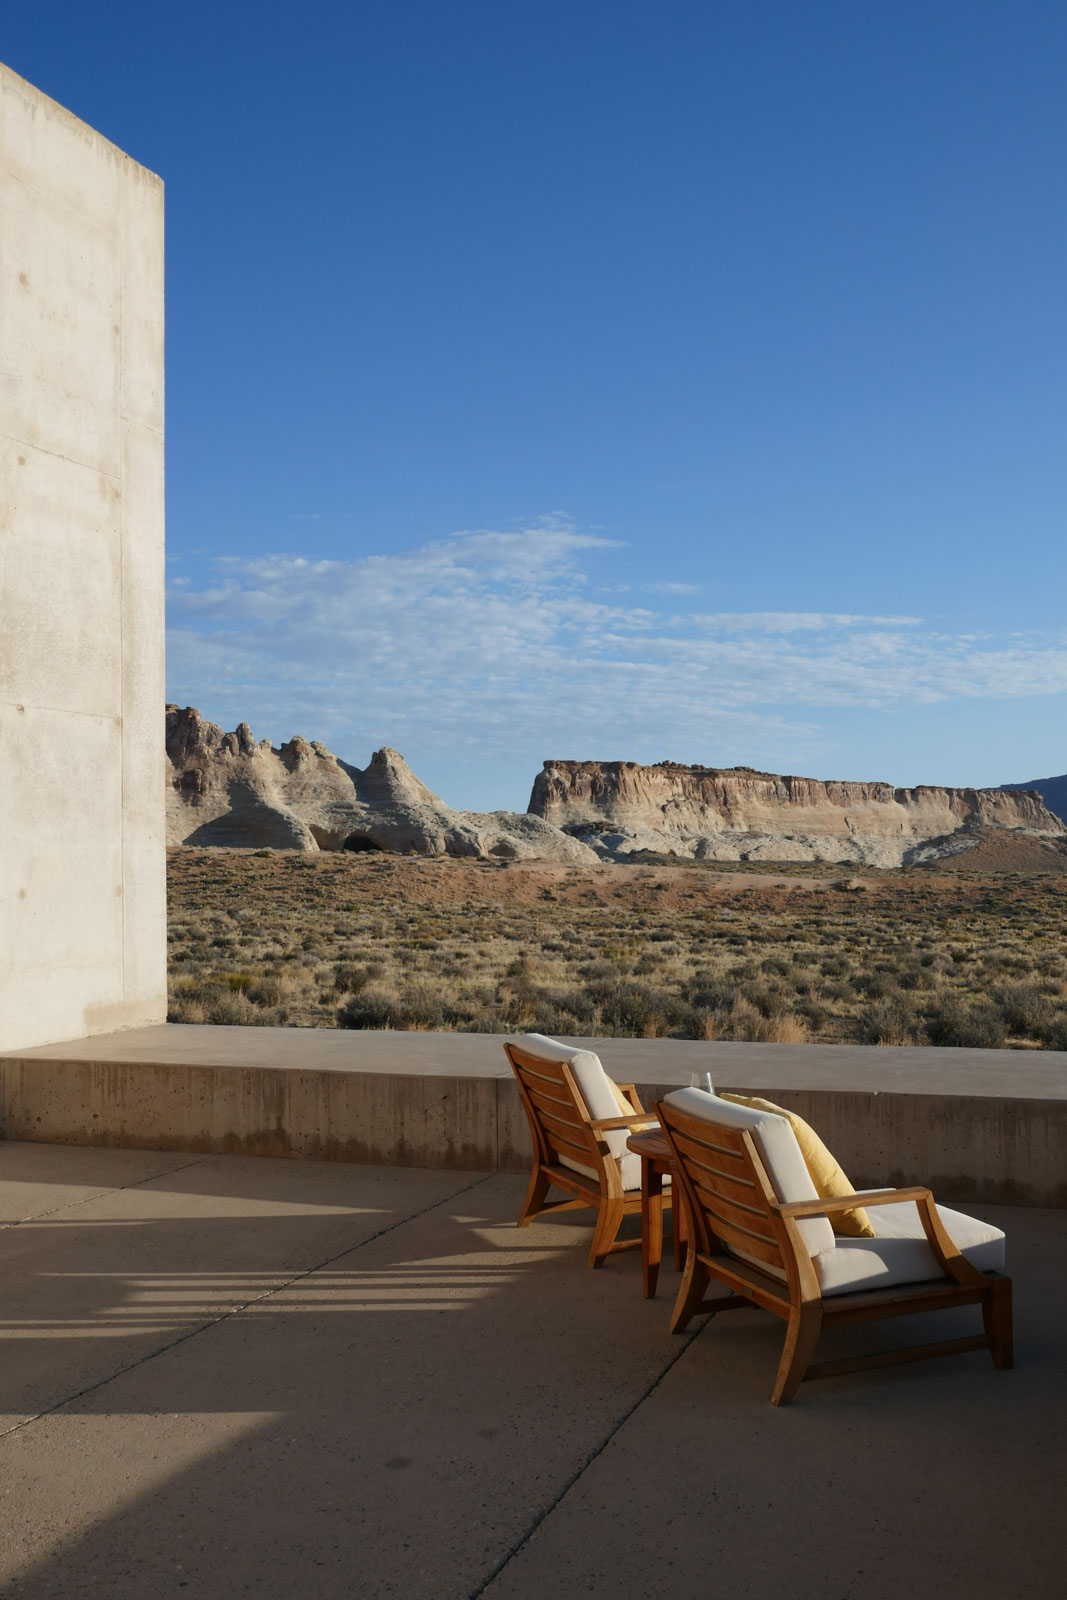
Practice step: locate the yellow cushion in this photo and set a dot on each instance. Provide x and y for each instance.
(823, 1168)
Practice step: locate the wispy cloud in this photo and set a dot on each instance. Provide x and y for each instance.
(504, 645)
(793, 621)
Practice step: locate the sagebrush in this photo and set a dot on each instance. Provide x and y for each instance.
(645, 951)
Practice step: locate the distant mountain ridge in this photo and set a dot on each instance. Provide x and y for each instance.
(230, 789)
(1053, 792)
(739, 814)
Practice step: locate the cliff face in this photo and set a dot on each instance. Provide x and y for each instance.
(735, 813)
(230, 789)
(1053, 792)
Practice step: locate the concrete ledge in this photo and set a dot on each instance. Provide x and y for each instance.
(978, 1125)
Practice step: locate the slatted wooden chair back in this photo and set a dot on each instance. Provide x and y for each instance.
(728, 1191)
(747, 1238)
(562, 1130)
(557, 1114)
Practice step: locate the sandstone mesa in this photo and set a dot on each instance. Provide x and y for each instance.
(739, 814)
(231, 790)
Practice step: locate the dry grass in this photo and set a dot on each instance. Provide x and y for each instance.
(642, 950)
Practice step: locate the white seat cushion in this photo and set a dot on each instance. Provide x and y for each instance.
(899, 1252)
(599, 1095)
(777, 1145)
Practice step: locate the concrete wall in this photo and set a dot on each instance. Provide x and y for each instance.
(976, 1125)
(82, 891)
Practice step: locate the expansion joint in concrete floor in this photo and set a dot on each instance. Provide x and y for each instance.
(583, 1466)
(116, 1188)
(253, 1300)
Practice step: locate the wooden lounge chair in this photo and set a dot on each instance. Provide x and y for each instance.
(758, 1227)
(579, 1129)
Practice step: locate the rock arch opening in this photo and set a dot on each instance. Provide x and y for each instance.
(360, 842)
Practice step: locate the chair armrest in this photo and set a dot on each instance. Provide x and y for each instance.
(950, 1258)
(848, 1202)
(636, 1119)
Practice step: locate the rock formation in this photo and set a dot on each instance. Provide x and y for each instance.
(1053, 792)
(230, 789)
(738, 814)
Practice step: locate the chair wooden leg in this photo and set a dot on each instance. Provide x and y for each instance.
(996, 1314)
(695, 1281)
(535, 1197)
(678, 1228)
(801, 1337)
(608, 1223)
(651, 1227)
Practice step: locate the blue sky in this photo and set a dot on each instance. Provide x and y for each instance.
(598, 379)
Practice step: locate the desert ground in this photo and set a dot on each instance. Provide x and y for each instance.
(971, 952)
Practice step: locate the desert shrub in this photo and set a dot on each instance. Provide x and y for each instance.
(708, 993)
(876, 985)
(269, 991)
(950, 1021)
(774, 966)
(921, 975)
(182, 1008)
(637, 1010)
(745, 1022)
(1025, 1009)
(770, 1000)
(846, 973)
(815, 1014)
(888, 1021)
(648, 962)
(594, 970)
(786, 1029)
(370, 1008)
(706, 1024)
(348, 979)
(1054, 1034)
(415, 1006)
(804, 980)
(556, 1020)
(577, 1004)
(211, 1002)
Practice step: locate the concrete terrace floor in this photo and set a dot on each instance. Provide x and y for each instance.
(227, 1376)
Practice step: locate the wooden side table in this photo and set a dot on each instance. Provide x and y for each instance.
(655, 1155)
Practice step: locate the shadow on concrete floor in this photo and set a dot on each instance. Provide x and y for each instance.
(228, 1376)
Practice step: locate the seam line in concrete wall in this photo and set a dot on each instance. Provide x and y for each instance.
(56, 455)
(55, 197)
(61, 711)
(236, 1311)
(124, 512)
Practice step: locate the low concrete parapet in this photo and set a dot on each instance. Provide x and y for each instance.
(977, 1125)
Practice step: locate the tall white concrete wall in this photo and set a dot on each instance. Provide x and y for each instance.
(82, 887)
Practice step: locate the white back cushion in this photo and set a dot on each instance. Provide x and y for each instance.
(777, 1145)
(599, 1096)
